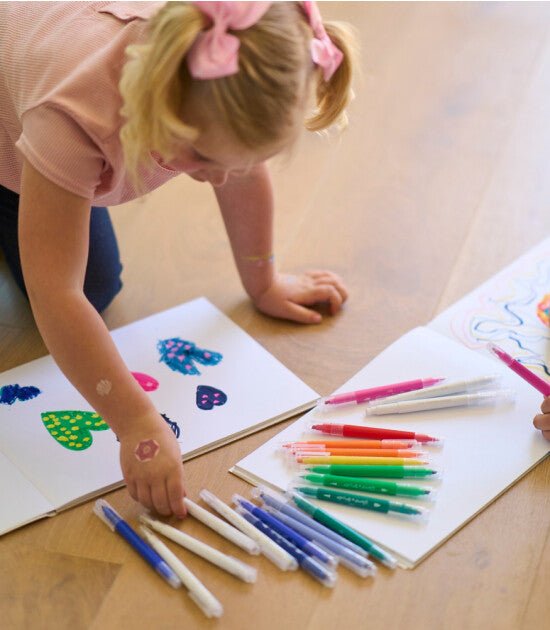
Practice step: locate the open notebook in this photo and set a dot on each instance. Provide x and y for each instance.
(486, 449)
(210, 379)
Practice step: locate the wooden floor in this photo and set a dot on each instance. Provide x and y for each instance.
(441, 180)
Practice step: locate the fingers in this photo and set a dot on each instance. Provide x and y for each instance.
(159, 498)
(327, 293)
(176, 492)
(132, 490)
(545, 407)
(542, 422)
(328, 278)
(144, 495)
(301, 314)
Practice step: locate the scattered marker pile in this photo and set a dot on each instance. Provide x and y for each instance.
(286, 528)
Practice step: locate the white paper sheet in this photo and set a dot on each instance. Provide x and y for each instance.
(486, 449)
(21, 501)
(259, 389)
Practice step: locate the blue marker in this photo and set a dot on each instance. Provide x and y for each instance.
(283, 505)
(114, 521)
(353, 561)
(316, 569)
(293, 536)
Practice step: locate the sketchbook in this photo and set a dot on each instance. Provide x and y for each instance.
(211, 381)
(486, 449)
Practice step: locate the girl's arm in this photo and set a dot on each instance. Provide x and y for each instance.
(246, 204)
(53, 242)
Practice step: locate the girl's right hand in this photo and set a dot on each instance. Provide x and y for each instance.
(542, 420)
(150, 459)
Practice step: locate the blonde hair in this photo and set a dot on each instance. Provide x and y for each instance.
(258, 104)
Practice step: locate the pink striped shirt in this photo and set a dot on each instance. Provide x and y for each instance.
(60, 64)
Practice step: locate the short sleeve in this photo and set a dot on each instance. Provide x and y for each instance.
(58, 148)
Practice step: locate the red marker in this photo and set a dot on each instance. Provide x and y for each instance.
(356, 431)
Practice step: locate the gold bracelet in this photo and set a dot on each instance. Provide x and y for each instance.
(262, 259)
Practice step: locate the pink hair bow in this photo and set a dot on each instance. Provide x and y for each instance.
(323, 52)
(214, 53)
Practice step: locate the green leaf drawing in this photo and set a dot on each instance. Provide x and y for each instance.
(72, 429)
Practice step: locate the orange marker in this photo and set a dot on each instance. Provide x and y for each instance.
(363, 452)
(374, 461)
(358, 443)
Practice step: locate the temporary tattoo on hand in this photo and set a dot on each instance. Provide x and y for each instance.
(103, 387)
(146, 450)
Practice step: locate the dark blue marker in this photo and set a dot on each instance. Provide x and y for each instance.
(317, 570)
(290, 534)
(115, 522)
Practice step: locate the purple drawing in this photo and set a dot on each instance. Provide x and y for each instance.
(209, 397)
(180, 355)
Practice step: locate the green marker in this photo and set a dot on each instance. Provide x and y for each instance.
(341, 528)
(394, 472)
(377, 486)
(361, 501)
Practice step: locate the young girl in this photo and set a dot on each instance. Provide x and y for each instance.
(101, 102)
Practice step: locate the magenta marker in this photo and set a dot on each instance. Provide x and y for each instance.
(521, 370)
(364, 395)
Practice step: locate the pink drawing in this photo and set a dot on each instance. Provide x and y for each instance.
(148, 383)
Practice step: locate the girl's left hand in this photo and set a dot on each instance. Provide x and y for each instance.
(542, 421)
(289, 296)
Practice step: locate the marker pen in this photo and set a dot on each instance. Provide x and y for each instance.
(477, 399)
(465, 385)
(542, 386)
(117, 524)
(359, 431)
(362, 395)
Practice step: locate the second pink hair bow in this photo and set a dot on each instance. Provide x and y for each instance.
(323, 52)
(214, 53)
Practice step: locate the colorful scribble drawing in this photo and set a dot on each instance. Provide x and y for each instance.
(72, 429)
(180, 355)
(209, 397)
(513, 313)
(10, 393)
(543, 310)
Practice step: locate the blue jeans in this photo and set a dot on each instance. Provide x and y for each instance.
(102, 281)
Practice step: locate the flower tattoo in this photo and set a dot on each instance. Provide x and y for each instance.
(146, 450)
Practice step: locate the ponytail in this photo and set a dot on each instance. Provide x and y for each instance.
(333, 96)
(153, 85)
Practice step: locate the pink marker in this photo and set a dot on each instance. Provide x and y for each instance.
(364, 395)
(521, 370)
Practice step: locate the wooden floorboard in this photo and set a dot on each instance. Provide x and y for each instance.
(440, 181)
